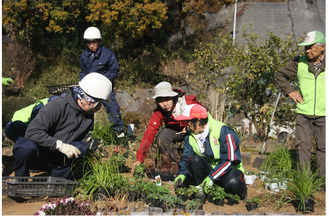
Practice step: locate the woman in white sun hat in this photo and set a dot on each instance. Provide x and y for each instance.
(170, 103)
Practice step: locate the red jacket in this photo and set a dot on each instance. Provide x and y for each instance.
(158, 118)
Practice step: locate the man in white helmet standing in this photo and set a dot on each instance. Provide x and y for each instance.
(60, 131)
(102, 60)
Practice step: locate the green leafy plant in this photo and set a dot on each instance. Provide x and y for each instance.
(233, 197)
(250, 172)
(254, 200)
(192, 204)
(193, 191)
(217, 192)
(170, 201)
(181, 191)
(139, 171)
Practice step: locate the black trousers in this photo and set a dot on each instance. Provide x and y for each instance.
(233, 181)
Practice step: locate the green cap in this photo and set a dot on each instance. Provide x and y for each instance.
(312, 38)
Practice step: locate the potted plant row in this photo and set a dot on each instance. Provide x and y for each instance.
(191, 193)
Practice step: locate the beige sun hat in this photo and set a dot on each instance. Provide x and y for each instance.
(164, 89)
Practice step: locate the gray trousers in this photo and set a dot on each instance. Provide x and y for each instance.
(166, 139)
(305, 129)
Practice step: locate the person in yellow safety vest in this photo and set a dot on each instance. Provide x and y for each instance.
(310, 70)
(21, 119)
(211, 154)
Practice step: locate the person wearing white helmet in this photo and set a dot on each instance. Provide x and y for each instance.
(102, 60)
(310, 98)
(60, 131)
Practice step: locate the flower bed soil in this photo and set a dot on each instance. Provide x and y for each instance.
(268, 204)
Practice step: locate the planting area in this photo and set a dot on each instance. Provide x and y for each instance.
(122, 203)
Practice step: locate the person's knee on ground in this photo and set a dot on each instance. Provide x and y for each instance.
(199, 168)
(233, 182)
(15, 129)
(24, 152)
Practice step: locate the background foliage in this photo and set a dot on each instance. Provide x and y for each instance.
(228, 79)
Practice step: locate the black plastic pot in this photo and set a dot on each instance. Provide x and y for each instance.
(232, 202)
(133, 196)
(308, 205)
(155, 203)
(202, 198)
(251, 206)
(182, 197)
(181, 207)
(152, 173)
(210, 198)
(219, 202)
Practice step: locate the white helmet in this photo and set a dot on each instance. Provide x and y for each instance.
(92, 33)
(96, 85)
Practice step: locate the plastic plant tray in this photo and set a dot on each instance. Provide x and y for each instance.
(37, 186)
(59, 89)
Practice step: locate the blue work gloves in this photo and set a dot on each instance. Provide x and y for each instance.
(178, 182)
(207, 182)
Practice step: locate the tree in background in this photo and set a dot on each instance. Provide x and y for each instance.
(232, 80)
(57, 26)
(252, 84)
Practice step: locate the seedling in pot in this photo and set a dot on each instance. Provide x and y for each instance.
(216, 194)
(252, 203)
(182, 193)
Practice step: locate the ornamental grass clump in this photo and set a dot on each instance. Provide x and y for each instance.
(278, 164)
(101, 177)
(303, 185)
(66, 206)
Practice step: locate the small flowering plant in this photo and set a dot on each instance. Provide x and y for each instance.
(66, 206)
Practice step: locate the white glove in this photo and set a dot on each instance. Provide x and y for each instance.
(67, 149)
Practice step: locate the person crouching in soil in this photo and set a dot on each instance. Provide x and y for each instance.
(60, 131)
(211, 154)
(170, 103)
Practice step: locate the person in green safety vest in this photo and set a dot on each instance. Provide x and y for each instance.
(21, 119)
(211, 154)
(310, 98)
